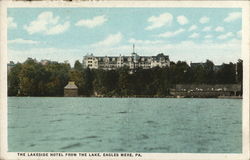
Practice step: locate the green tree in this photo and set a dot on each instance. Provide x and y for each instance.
(34, 79)
(179, 72)
(58, 77)
(14, 80)
(209, 72)
(227, 74)
(29, 77)
(199, 74)
(88, 82)
(239, 71)
(78, 66)
(123, 81)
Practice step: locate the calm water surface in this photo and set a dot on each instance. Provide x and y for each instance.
(163, 125)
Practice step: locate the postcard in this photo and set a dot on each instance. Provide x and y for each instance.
(125, 80)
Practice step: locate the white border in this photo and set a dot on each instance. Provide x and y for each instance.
(146, 156)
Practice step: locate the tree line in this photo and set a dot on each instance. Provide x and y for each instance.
(32, 78)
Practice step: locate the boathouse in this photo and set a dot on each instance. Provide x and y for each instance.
(70, 90)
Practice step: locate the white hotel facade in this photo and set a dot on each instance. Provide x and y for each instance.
(134, 61)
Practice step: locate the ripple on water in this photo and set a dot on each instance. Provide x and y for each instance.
(32, 145)
(71, 146)
(56, 120)
(90, 137)
(81, 114)
(15, 127)
(155, 149)
(67, 138)
(236, 122)
(142, 137)
(151, 122)
(118, 149)
(181, 126)
(122, 112)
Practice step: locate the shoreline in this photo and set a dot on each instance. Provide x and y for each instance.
(181, 97)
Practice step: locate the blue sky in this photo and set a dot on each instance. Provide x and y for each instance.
(187, 34)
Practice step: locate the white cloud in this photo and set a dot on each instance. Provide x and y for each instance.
(206, 29)
(48, 24)
(194, 35)
(219, 29)
(53, 54)
(225, 36)
(160, 21)
(232, 16)
(208, 36)
(239, 34)
(132, 40)
(208, 41)
(186, 51)
(204, 20)
(171, 34)
(182, 20)
(91, 23)
(22, 41)
(193, 27)
(59, 28)
(11, 23)
(110, 40)
(226, 51)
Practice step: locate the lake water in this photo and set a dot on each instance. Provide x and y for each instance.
(162, 125)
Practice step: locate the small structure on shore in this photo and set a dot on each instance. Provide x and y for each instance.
(206, 91)
(70, 90)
